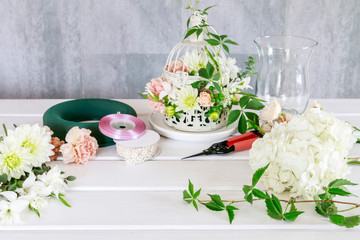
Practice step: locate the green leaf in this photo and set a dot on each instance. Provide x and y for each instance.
(341, 182)
(209, 8)
(212, 58)
(223, 36)
(3, 178)
(196, 84)
(203, 73)
(231, 215)
(191, 188)
(215, 36)
(217, 86)
(231, 207)
(197, 193)
(233, 116)
(12, 187)
(243, 101)
(231, 42)
(63, 200)
(71, 178)
(188, 22)
(253, 117)
(212, 42)
(242, 126)
(247, 189)
(339, 191)
(198, 32)
(276, 203)
(337, 219)
(255, 105)
(34, 210)
(210, 69)
(249, 198)
(258, 174)
(5, 129)
(352, 221)
(190, 32)
(226, 48)
(195, 205)
(213, 206)
(259, 194)
(216, 77)
(354, 162)
(272, 210)
(217, 199)
(186, 196)
(291, 216)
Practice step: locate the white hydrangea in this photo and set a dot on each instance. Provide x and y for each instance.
(305, 154)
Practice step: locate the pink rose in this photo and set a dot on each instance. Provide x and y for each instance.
(80, 146)
(271, 112)
(205, 99)
(157, 106)
(177, 66)
(284, 118)
(316, 104)
(155, 86)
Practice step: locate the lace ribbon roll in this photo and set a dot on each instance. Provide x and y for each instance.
(138, 150)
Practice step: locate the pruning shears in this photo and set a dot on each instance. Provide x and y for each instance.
(237, 143)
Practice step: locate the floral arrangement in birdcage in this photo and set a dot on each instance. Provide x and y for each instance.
(201, 82)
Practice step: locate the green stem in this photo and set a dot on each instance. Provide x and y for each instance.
(345, 210)
(289, 201)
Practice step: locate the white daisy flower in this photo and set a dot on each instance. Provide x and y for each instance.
(195, 60)
(36, 140)
(227, 97)
(14, 160)
(187, 99)
(229, 70)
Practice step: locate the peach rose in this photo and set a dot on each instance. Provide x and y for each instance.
(271, 112)
(157, 106)
(267, 127)
(177, 66)
(205, 99)
(76, 135)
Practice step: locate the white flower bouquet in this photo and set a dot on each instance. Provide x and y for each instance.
(200, 83)
(26, 182)
(305, 153)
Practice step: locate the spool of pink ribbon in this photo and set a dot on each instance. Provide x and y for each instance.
(122, 127)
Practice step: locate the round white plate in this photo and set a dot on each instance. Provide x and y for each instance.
(157, 122)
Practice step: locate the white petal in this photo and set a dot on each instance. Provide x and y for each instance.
(29, 181)
(11, 196)
(18, 206)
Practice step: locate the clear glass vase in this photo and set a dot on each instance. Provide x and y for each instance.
(284, 71)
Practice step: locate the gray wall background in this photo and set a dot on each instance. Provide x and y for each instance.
(111, 48)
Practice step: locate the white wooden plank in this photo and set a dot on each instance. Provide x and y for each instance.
(185, 234)
(165, 175)
(36, 107)
(165, 210)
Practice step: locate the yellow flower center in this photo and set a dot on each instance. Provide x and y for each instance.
(190, 101)
(28, 145)
(12, 161)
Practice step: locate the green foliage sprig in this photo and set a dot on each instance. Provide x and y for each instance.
(325, 205)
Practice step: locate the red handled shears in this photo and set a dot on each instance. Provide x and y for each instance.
(238, 143)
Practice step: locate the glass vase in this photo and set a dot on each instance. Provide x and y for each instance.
(284, 72)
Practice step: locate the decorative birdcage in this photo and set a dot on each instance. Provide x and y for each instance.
(181, 69)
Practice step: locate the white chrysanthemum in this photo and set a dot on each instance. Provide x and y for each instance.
(195, 60)
(305, 154)
(14, 160)
(187, 99)
(53, 181)
(229, 70)
(11, 208)
(36, 140)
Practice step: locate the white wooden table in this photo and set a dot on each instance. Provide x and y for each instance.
(112, 201)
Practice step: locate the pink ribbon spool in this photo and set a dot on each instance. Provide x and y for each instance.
(122, 127)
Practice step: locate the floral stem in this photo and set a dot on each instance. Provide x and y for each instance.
(356, 205)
